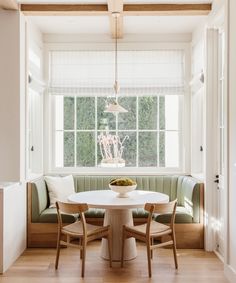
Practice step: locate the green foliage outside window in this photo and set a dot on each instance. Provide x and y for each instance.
(147, 113)
(69, 110)
(69, 155)
(85, 113)
(162, 134)
(144, 124)
(127, 121)
(147, 149)
(85, 149)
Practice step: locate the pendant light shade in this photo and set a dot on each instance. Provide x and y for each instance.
(114, 107)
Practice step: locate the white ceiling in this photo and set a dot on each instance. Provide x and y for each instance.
(161, 24)
(101, 24)
(72, 24)
(132, 24)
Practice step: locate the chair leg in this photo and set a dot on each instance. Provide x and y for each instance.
(109, 238)
(83, 257)
(152, 243)
(58, 249)
(174, 250)
(122, 247)
(81, 250)
(149, 258)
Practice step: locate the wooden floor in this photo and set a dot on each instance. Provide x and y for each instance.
(36, 265)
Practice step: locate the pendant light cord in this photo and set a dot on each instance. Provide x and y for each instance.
(116, 67)
(116, 51)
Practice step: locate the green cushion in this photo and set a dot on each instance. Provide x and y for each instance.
(188, 195)
(185, 188)
(49, 215)
(162, 184)
(95, 213)
(181, 216)
(139, 212)
(39, 198)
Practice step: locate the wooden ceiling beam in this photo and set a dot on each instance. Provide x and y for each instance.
(9, 4)
(116, 6)
(166, 9)
(64, 9)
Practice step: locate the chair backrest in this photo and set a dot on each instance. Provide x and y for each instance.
(72, 208)
(161, 208)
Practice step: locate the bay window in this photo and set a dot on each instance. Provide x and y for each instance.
(152, 90)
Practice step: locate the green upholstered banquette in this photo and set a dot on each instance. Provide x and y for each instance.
(186, 189)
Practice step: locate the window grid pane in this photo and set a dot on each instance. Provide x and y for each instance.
(69, 156)
(69, 113)
(85, 149)
(129, 153)
(148, 143)
(127, 121)
(147, 113)
(85, 113)
(147, 149)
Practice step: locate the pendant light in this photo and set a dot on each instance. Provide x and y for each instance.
(114, 107)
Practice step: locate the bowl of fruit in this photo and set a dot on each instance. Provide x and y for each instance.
(122, 186)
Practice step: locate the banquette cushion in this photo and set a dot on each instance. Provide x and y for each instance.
(185, 188)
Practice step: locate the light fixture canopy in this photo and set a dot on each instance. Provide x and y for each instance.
(114, 107)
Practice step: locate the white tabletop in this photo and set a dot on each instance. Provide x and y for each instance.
(108, 199)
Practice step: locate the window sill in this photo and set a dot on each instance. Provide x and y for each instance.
(118, 171)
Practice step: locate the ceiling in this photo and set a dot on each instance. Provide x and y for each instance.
(132, 24)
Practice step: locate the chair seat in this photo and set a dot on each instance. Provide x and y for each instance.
(77, 228)
(81, 230)
(152, 230)
(155, 229)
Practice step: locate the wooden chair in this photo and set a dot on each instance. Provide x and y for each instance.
(151, 230)
(79, 230)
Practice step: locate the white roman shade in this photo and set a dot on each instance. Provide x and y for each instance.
(89, 73)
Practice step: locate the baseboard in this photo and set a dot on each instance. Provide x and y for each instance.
(221, 258)
(230, 273)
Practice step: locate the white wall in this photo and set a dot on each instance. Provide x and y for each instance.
(12, 228)
(34, 103)
(197, 95)
(230, 226)
(12, 126)
(204, 47)
(230, 266)
(11, 96)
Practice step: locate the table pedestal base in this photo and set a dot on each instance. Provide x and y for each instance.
(117, 218)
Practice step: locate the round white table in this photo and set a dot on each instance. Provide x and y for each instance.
(118, 213)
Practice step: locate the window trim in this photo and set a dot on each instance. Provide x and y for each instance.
(116, 131)
(49, 112)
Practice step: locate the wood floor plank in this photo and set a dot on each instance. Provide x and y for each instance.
(36, 265)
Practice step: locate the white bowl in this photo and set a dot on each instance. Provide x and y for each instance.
(122, 190)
